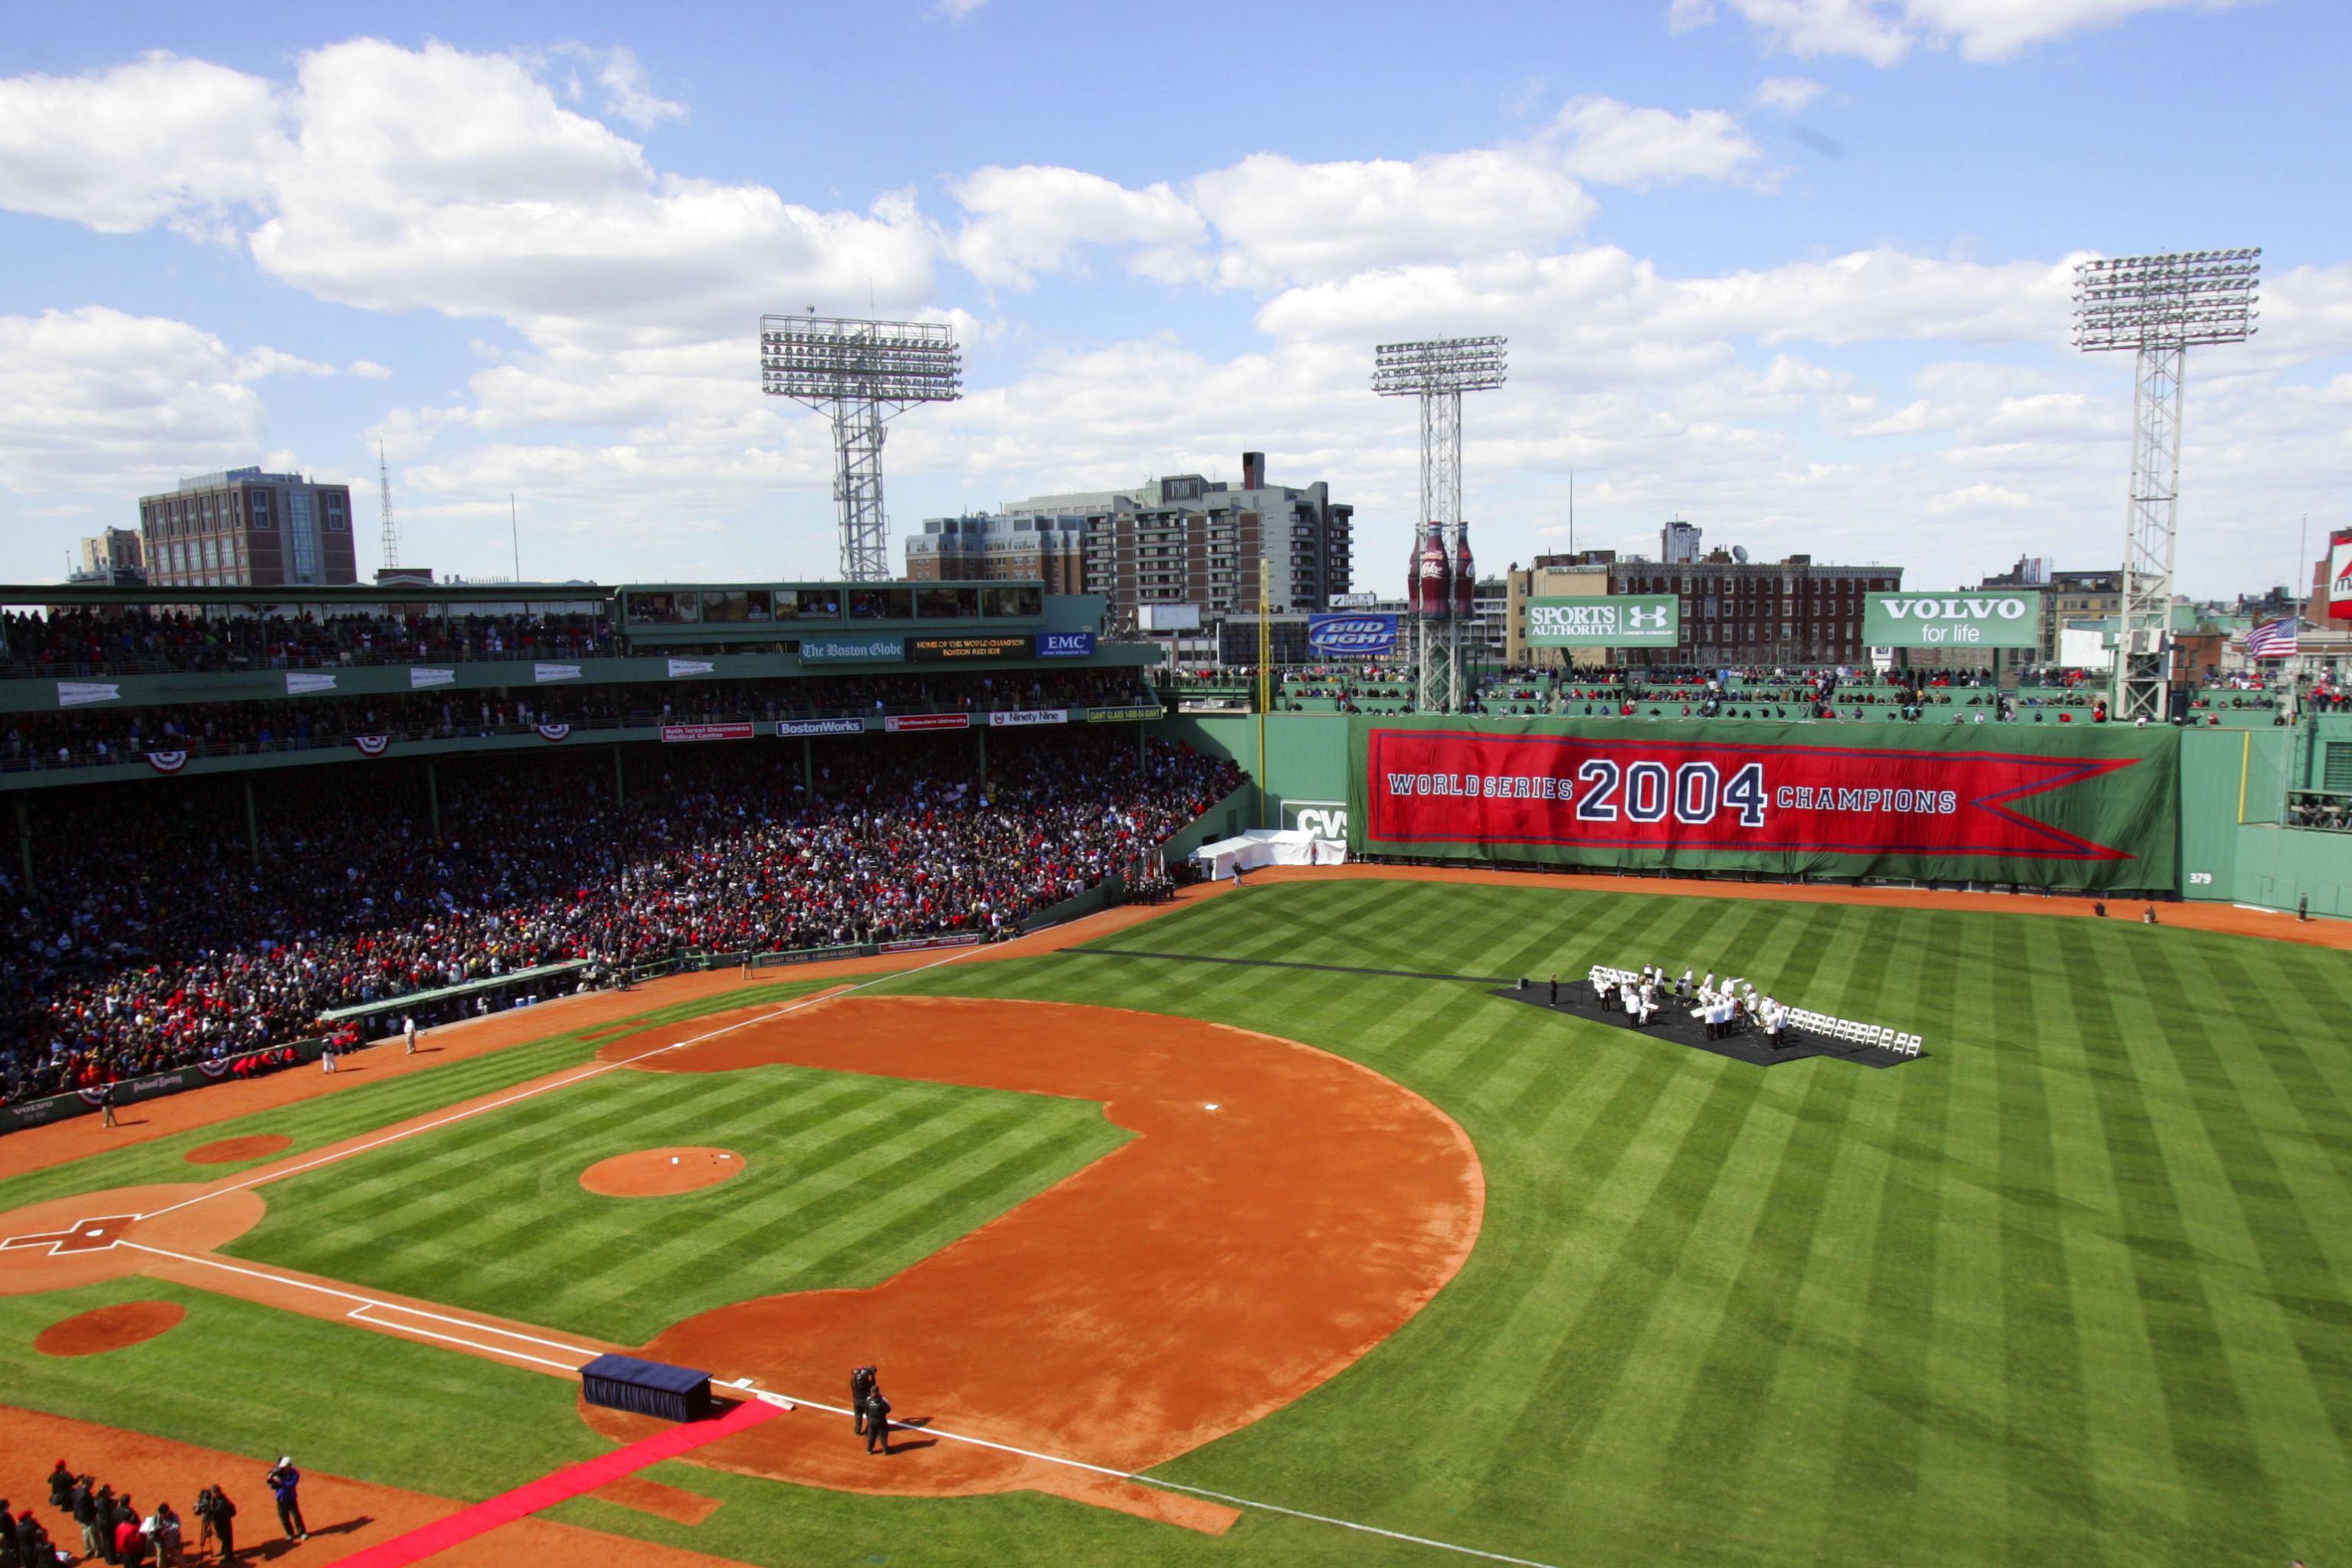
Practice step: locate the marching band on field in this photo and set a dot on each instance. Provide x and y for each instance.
(1721, 1009)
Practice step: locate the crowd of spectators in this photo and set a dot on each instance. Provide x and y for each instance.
(153, 938)
(134, 640)
(95, 737)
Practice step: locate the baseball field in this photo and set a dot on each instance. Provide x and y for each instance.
(1260, 1231)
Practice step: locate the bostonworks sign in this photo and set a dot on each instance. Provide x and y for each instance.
(2077, 809)
(1951, 620)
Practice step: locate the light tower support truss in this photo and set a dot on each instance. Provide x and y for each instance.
(1438, 370)
(391, 529)
(2158, 307)
(860, 375)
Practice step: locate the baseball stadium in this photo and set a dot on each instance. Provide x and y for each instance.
(540, 1068)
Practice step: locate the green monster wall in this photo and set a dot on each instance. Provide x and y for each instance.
(1307, 764)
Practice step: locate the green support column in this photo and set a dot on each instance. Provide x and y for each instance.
(433, 797)
(25, 840)
(1141, 755)
(620, 785)
(808, 767)
(252, 821)
(982, 733)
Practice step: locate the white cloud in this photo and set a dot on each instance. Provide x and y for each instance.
(1284, 220)
(1788, 94)
(1029, 220)
(1615, 143)
(160, 141)
(368, 369)
(1885, 31)
(956, 10)
(627, 90)
(136, 399)
(456, 182)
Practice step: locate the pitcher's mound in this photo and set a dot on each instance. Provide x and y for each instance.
(229, 1150)
(659, 1172)
(109, 1328)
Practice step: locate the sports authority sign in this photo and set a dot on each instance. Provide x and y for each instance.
(2074, 809)
(1951, 620)
(1625, 620)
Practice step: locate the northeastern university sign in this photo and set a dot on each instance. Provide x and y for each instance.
(1961, 804)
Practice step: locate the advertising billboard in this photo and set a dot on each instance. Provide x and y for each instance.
(1000, 644)
(1624, 620)
(2076, 807)
(1351, 637)
(853, 649)
(1168, 618)
(1952, 620)
(2339, 575)
(1065, 645)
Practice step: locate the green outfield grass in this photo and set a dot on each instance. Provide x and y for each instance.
(2077, 1287)
(848, 1180)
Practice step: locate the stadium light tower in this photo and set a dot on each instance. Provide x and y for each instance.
(1438, 370)
(859, 374)
(2158, 307)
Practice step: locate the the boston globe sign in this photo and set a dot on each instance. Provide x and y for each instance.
(1983, 619)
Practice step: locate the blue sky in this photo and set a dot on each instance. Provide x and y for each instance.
(1796, 269)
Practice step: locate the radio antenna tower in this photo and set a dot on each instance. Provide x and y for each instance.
(391, 529)
(1438, 370)
(2158, 307)
(859, 374)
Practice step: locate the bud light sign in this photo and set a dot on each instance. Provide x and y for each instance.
(1352, 636)
(1065, 645)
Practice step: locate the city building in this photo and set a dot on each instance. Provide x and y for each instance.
(1583, 575)
(112, 559)
(1734, 612)
(1678, 544)
(1028, 547)
(245, 529)
(1187, 539)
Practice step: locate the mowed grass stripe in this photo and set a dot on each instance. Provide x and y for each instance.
(493, 1219)
(2050, 1497)
(358, 1107)
(2200, 1412)
(2277, 1257)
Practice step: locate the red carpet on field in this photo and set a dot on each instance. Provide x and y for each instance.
(549, 1491)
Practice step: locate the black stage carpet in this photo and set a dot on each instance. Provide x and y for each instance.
(1672, 1023)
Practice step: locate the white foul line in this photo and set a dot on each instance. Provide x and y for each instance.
(1147, 1480)
(359, 1313)
(581, 1076)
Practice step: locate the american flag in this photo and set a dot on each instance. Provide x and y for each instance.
(2275, 639)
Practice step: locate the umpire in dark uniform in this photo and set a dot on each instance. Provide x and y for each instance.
(861, 1389)
(877, 1423)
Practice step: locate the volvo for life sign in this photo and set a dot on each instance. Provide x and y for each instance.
(1628, 620)
(1352, 636)
(1951, 620)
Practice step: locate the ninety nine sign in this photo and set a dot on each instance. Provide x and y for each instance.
(917, 721)
(1951, 620)
(1445, 786)
(1008, 717)
(1641, 620)
(740, 730)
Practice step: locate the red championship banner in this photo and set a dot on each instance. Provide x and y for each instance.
(1823, 803)
(740, 730)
